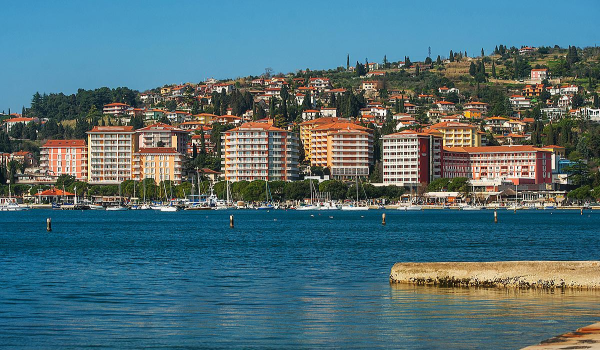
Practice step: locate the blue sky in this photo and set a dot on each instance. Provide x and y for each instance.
(60, 46)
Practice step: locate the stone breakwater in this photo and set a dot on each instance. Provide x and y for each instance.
(512, 274)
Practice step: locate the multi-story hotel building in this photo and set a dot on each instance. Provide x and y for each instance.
(307, 126)
(519, 164)
(158, 163)
(115, 109)
(162, 135)
(345, 148)
(110, 154)
(458, 134)
(65, 157)
(259, 151)
(412, 158)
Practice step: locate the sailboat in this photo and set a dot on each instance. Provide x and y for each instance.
(355, 206)
(170, 207)
(227, 204)
(267, 205)
(310, 206)
(119, 207)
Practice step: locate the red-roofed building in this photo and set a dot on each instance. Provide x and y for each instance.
(519, 164)
(162, 135)
(65, 157)
(259, 151)
(412, 158)
(10, 123)
(54, 195)
(115, 109)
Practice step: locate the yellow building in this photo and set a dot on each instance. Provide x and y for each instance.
(158, 163)
(458, 134)
(205, 118)
(473, 113)
(307, 126)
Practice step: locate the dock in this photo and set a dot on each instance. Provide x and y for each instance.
(508, 274)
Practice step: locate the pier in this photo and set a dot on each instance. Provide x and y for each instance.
(513, 274)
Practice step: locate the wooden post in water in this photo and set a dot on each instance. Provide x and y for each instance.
(581, 210)
(48, 224)
(230, 221)
(495, 217)
(383, 219)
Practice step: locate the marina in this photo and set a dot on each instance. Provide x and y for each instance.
(280, 279)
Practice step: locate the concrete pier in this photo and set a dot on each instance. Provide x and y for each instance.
(516, 274)
(583, 338)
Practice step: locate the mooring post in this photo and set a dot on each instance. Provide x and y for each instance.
(495, 216)
(48, 224)
(230, 221)
(581, 210)
(383, 219)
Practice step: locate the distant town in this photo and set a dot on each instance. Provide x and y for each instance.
(515, 125)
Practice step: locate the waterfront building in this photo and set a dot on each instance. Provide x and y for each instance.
(65, 157)
(519, 164)
(458, 134)
(162, 135)
(158, 163)
(343, 147)
(412, 158)
(259, 151)
(110, 153)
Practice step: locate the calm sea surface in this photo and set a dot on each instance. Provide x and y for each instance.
(280, 279)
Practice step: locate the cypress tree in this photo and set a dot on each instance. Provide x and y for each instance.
(482, 53)
(438, 61)
(347, 61)
(493, 69)
(451, 56)
(472, 69)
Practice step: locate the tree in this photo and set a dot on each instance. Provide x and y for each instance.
(451, 56)
(493, 69)
(306, 102)
(438, 61)
(472, 69)
(482, 53)
(348, 62)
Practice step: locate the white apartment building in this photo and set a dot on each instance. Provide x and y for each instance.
(110, 154)
(259, 151)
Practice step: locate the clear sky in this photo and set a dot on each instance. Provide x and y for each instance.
(60, 46)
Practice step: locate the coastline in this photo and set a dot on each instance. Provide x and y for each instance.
(507, 274)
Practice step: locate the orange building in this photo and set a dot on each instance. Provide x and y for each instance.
(259, 151)
(345, 148)
(307, 126)
(65, 157)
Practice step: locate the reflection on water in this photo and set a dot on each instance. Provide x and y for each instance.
(165, 280)
(446, 316)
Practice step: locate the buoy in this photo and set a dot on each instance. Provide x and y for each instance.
(383, 219)
(495, 217)
(230, 221)
(48, 224)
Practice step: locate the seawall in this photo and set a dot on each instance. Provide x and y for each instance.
(516, 274)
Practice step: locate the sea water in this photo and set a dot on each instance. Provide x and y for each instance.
(279, 279)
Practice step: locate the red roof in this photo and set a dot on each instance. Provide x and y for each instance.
(19, 120)
(493, 149)
(64, 143)
(54, 192)
(157, 150)
(101, 129)
(116, 104)
(255, 125)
